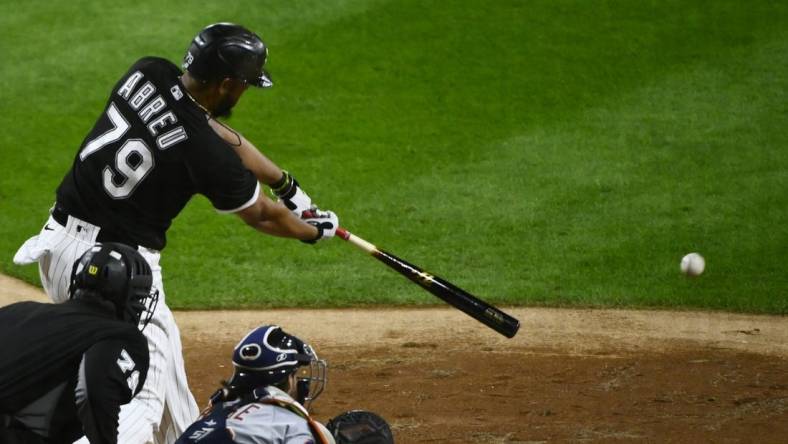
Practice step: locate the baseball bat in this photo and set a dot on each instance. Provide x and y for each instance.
(455, 296)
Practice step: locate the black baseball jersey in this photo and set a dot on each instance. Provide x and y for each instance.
(149, 152)
(65, 370)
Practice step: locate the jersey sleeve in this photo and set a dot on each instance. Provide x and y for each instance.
(110, 374)
(220, 175)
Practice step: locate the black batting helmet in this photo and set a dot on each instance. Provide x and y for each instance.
(119, 274)
(228, 50)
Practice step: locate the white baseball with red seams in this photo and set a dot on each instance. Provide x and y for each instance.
(693, 264)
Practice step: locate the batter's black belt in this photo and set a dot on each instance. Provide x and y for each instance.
(61, 217)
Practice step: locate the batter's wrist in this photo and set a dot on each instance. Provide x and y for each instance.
(282, 185)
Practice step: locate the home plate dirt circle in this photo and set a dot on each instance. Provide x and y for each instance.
(569, 375)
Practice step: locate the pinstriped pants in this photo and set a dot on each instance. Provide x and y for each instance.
(165, 407)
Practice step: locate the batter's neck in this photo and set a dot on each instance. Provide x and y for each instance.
(197, 92)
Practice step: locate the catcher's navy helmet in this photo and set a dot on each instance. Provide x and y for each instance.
(228, 50)
(268, 356)
(119, 274)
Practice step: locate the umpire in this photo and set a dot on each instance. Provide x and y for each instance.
(65, 369)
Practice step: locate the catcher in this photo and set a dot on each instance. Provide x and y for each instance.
(276, 378)
(66, 369)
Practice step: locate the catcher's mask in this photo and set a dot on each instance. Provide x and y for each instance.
(119, 274)
(225, 50)
(269, 356)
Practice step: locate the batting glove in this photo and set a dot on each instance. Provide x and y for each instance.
(326, 223)
(291, 195)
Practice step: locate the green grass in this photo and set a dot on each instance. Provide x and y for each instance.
(539, 152)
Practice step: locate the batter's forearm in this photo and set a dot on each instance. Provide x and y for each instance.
(275, 219)
(261, 166)
(301, 230)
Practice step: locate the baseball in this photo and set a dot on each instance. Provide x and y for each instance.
(692, 264)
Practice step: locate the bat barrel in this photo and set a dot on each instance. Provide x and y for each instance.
(474, 307)
(483, 312)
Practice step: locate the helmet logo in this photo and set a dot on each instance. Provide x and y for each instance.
(92, 270)
(281, 357)
(188, 59)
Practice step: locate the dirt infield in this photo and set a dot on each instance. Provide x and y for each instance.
(568, 376)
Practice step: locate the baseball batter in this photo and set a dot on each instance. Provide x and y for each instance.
(154, 146)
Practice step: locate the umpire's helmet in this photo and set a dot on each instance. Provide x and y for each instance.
(360, 427)
(227, 50)
(268, 356)
(119, 274)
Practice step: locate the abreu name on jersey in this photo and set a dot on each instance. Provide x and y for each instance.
(140, 98)
(149, 108)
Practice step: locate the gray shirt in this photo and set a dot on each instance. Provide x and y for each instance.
(264, 423)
